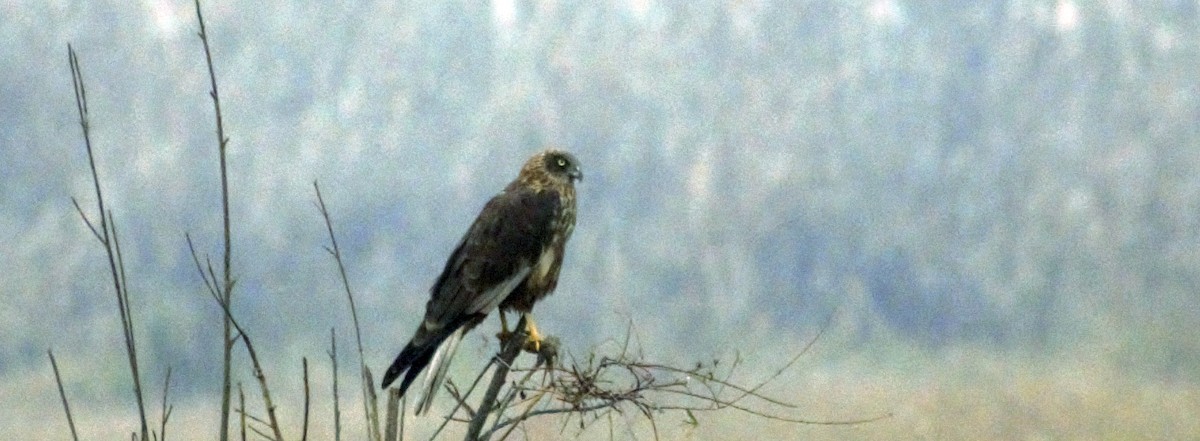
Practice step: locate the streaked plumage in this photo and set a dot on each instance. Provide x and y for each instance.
(509, 258)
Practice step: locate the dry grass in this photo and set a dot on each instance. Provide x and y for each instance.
(952, 395)
(982, 395)
(964, 395)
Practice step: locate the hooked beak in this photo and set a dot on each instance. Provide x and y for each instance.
(575, 174)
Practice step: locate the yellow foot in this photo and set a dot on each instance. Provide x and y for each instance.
(534, 342)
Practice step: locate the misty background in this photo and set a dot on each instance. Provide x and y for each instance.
(977, 193)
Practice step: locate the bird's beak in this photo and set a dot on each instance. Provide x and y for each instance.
(575, 174)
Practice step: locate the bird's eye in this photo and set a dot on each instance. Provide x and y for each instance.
(562, 162)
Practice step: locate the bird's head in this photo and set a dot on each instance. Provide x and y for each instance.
(563, 165)
(555, 166)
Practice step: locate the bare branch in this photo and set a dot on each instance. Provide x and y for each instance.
(165, 410)
(337, 412)
(370, 403)
(252, 417)
(212, 289)
(460, 398)
(393, 409)
(86, 220)
(62, 394)
(601, 385)
(222, 142)
(369, 407)
(112, 248)
(522, 417)
(533, 413)
(753, 391)
(242, 407)
(127, 324)
(258, 371)
(508, 352)
(85, 125)
(304, 432)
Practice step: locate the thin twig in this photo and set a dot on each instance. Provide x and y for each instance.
(166, 410)
(85, 125)
(368, 407)
(258, 432)
(258, 371)
(249, 420)
(127, 323)
(393, 408)
(111, 247)
(753, 391)
(252, 418)
(337, 412)
(304, 432)
(86, 220)
(509, 351)
(650, 388)
(522, 417)
(370, 404)
(403, 405)
(212, 290)
(222, 142)
(62, 394)
(242, 407)
(539, 412)
(507, 402)
(460, 398)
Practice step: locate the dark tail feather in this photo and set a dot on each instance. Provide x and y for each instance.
(412, 359)
(420, 350)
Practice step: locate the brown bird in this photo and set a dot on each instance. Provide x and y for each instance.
(509, 258)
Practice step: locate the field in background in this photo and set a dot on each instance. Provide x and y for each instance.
(950, 394)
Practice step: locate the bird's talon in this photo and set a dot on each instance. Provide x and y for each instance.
(535, 338)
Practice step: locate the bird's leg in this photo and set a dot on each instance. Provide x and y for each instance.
(533, 343)
(504, 333)
(535, 338)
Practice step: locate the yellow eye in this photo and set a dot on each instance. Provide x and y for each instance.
(562, 162)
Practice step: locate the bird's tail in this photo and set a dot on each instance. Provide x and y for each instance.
(415, 356)
(437, 368)
(432, 347)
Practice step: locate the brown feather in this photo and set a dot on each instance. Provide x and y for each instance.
(552, 172)
(509, 258)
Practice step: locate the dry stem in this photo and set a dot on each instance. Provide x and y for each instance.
(107, 235)
(63, 395)
(370, 405)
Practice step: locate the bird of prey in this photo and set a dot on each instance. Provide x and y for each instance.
(509, 258)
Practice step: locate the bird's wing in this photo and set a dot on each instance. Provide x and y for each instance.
(495, 255)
